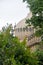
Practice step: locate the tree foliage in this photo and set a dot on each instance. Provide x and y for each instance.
(14, 52)
(36, 7)
(39, 54)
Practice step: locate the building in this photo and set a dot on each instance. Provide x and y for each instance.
(22, 31)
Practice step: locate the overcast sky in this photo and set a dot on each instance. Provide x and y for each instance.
(12, 11)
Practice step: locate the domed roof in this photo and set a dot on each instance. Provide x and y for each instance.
(22, 23)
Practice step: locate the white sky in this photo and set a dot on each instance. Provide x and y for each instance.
(12, 11)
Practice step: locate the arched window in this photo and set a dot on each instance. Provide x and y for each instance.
(27, 29)
(24, 29)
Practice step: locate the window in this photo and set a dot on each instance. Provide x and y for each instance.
(30, 29)
(24, 29)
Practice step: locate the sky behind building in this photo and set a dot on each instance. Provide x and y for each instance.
(12, 11)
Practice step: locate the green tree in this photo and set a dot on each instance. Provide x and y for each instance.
(14, 52)
(40, 55)
(36, 7)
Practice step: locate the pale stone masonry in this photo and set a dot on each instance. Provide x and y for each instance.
(22, 31)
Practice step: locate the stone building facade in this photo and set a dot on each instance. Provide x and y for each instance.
(22, 31)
